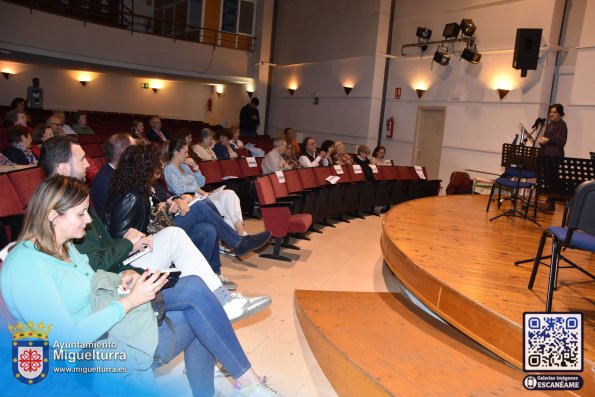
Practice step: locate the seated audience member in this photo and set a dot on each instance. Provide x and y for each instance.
(56, 125)
(63, 156)
(186, 135)
(293, 148)
(203, 148)
(61, 116)
(274, 160)
(340, 157)
(80, 126)
(328, 147)
(183, 175)
(235, 142)
(44, 257)
(138, 131)
(4, 161)
(378, 156)
(19, 103)
(19, 146)
(113, 147)
(309, 158)
(362, 159)
(155, 134)
(223, 148)
(15, 117)
(42, 133)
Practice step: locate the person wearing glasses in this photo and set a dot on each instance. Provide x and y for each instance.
(155, 134)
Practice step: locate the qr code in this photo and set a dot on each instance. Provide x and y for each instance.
(553, 342)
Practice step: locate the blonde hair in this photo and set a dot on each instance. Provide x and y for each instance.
(58, 193)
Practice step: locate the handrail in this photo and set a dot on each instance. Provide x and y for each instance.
(125, 18)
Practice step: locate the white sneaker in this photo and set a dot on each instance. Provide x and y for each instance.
(241, 307)
(261, 389)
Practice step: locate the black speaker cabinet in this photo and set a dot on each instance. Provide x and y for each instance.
(526, 49)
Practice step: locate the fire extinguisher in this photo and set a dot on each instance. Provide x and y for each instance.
(390, 125)
(209, 105)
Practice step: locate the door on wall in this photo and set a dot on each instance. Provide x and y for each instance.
(429, 133)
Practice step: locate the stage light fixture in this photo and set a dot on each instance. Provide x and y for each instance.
(471, 56)
(468, 27)
(441, 56)
(423, 33)
(451, 30)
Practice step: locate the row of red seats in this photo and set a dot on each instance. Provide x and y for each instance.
(17, 188)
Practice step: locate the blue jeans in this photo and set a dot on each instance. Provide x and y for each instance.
(204, 237)
(203, 332)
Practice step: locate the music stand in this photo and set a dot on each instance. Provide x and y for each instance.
(520, 163)
(558, 177)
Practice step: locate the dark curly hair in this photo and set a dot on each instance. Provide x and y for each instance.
(136, 169)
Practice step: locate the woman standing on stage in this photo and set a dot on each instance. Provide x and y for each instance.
(553, 141)
(554, 138)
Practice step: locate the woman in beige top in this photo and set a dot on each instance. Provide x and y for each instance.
(203, 148)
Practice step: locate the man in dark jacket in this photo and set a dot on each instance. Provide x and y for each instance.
(250, 118)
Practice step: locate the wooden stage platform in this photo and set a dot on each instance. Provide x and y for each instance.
(459, 264)
(445, 251)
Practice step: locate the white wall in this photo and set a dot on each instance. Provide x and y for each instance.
(119, 92)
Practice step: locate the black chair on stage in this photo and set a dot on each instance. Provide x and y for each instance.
(520, 163)
(579, 233)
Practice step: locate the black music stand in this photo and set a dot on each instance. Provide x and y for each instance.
(558, 178)
(520, 163)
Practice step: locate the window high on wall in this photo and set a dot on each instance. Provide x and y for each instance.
(237, 16)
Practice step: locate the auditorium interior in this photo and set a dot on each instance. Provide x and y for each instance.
(424, 298)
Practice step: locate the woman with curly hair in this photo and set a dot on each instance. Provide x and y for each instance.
(132, 198)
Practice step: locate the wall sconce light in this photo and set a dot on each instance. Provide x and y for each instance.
(83, 82)
(155, 90)
(420, 92)
(219, 90)
(6, 75)
(249, 93)
(502, 93)
(347, 89)
(291, 91)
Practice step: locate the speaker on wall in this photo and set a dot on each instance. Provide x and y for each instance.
(526, 50)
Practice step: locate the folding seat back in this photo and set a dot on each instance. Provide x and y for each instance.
(307, 178)
(229, 168)
(280, 189)
(355, 177)
(320, 175)
(93, 150)
(211, 172)
(92, 170)
(25, 182)
(10, 204)
(88, 139)
(246, 171)
(264, 189)
(292, 179)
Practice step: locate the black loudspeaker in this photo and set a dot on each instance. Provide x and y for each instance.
(526, 50)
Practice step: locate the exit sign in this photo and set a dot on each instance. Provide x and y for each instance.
(144, 85)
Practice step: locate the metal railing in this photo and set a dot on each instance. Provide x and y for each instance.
(124, 17)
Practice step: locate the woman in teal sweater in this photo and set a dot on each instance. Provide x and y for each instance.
(45, 279)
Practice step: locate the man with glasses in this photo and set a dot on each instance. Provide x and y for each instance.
(155, 134)
(56, 125)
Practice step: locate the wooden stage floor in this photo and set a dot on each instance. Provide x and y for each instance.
(458, 263)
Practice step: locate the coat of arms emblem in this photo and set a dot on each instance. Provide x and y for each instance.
(30, 352)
